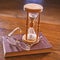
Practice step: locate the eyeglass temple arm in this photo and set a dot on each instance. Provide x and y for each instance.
(17, 28)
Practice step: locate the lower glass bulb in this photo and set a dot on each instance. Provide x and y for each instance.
(31, 34)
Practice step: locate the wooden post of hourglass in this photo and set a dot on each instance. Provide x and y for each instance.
(38, 26)
(26, 25)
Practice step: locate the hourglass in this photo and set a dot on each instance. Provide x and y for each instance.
(32, 23)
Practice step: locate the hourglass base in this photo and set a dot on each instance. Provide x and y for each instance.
(30, 41)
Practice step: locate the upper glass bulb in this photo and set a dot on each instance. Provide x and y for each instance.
(33, 15)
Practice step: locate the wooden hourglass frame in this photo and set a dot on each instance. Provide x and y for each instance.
(32, 10)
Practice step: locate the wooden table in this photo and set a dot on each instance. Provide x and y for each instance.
(42, 47)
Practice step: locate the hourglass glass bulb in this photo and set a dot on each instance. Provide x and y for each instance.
(33, 15)
(31, 34)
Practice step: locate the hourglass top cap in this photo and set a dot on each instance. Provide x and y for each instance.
(32, 7)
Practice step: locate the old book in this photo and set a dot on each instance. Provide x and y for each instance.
(43, 46)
